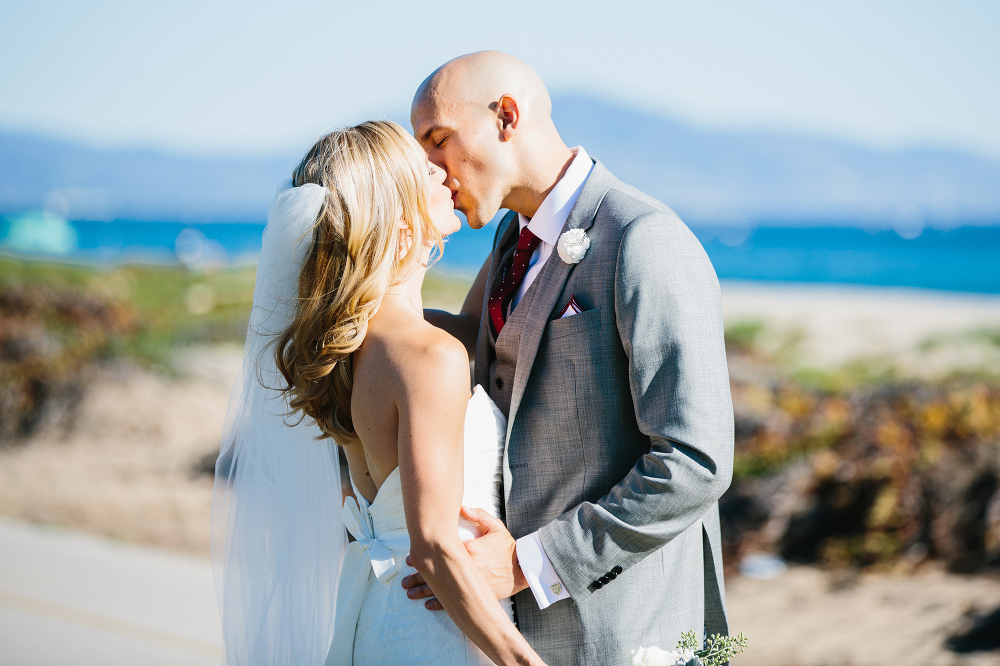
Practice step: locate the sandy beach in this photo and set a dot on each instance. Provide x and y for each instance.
(925, 332)
(131, 468)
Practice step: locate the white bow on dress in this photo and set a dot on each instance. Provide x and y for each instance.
(367, 554)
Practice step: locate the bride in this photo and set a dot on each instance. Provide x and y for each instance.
(337, 348)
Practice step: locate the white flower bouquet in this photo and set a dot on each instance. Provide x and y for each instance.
(718, 650)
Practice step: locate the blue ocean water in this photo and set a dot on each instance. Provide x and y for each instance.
(961, 259)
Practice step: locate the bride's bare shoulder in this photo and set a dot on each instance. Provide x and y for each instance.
(436, 358)
(409, 354)
(435, 384)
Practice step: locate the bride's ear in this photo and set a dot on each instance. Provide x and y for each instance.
(405, 235)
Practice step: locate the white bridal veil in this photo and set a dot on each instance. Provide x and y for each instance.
(277, 530)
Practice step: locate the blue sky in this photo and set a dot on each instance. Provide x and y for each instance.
(253, 78)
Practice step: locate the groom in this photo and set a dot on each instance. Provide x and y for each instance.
(597, 329)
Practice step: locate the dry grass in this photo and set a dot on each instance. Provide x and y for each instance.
(126, 467)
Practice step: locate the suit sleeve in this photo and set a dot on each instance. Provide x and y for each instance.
(669, 318)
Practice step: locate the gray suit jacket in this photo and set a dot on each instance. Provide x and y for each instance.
(620, 428)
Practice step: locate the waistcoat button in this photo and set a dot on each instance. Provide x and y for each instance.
(499, 383)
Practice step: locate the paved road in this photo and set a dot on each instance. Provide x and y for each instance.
(68, 598)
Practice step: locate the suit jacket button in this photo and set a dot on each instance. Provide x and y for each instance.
(604, 580)
(616, 570)
(597, 584)
(499, 383)
(611, 575)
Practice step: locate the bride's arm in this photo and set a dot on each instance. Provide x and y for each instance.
(431, 408)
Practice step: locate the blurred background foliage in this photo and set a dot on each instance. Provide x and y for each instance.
(856, 466)
(862, 465)
(58, 322)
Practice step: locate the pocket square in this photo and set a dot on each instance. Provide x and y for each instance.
(571, 308)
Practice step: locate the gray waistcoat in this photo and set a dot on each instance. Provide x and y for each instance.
(503, 361)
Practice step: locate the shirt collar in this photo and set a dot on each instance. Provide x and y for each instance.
(551, 216)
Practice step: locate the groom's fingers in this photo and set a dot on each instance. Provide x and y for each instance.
(416, 589)
(495, 539)
(414, 580)
(419, 592)
(486, 522)
(470, 513)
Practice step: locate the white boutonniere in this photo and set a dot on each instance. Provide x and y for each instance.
(573, 245)
(716, 651)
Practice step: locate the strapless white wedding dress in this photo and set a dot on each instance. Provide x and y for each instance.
(376, 622)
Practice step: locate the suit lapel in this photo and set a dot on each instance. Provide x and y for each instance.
(550, 281)
(505, 235)
(506, 230)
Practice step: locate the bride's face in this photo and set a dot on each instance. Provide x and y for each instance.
(439, 202)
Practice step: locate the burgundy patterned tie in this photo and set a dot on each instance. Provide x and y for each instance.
(513, 276)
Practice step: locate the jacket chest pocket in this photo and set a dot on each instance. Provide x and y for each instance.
(585, 321)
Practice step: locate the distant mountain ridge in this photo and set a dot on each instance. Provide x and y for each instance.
(724, 178)
(756, 178)
(140, 185)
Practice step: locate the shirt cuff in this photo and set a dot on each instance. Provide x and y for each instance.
(538, 571)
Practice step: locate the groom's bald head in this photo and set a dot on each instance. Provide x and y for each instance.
(481, 117)
(480, 79)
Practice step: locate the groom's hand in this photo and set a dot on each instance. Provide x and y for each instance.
(495, 555)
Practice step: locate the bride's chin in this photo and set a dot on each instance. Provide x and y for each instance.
(454, 227)
(448, 231)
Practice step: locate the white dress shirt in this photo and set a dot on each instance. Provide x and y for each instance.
(547, 224)
(551, 216)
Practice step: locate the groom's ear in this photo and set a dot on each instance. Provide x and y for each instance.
(507, 116)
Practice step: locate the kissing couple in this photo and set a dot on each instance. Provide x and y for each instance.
(560, 509)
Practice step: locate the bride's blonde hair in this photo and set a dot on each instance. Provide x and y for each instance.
(371, 231)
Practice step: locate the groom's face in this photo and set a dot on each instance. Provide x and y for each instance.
(463, 140)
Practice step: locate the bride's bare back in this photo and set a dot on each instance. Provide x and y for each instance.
(402, 363)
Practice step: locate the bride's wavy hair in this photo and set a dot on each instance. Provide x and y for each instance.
(371, 231)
